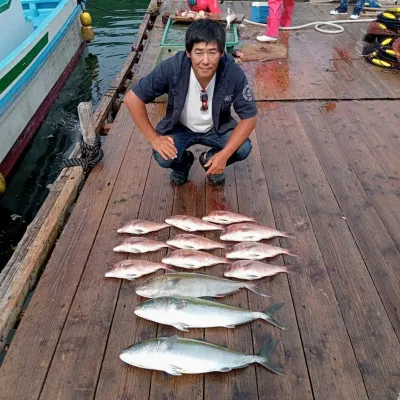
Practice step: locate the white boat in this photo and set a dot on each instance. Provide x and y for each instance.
(40, 44)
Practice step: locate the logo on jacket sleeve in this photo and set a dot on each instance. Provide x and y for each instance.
(247, 95)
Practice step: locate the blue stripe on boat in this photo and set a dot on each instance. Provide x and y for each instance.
(35, 67)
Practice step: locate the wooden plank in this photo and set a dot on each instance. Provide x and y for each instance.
(189, 199)
(254, 200)
(20, 273)
(240, 383)
(380, 131)
(331, 362)
(348, 60)
(378, 353)
(93, 308)
(353, 133)
(117, 379)
(377, 247)
(25, 367)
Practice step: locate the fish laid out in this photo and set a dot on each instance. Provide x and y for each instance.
(250, 270)
(141, 227)
(140, 245)
(188, 241)
(256, 251)
(191, 224)
(132, 269)
(226, 217)
(230, 18)
(251, 232)
(191, 312)
(193, 259)
(177, 356)
(194, 285)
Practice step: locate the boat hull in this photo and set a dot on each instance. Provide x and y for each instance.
(22, 117)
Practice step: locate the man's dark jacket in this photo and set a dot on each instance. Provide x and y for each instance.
(172, 76)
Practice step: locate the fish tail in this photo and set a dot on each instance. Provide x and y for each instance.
(288, 235)
(292, 269)
(254, 287)
(292, 253)
(265, 360)
(268, 316)
(168, 268)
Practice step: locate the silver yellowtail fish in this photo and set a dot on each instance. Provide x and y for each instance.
(192, 312)
(193, 284)
(193, 259)
(189, 241)
(226, 217)
(191, 224)
(141, 227)
(132, 269)
(140, 245)
(256, 251)
(177, 356)
(250, 270)
(250, 232)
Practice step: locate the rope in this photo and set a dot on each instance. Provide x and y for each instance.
(317, 25)
(91, 155)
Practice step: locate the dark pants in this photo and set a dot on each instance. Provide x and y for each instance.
(184, 138)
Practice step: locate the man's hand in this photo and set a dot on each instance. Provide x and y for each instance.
(164, 145)
(216, 164)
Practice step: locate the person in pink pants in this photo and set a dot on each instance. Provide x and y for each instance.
(277, 18)
(204, 5)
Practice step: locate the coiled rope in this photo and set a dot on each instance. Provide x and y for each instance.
(91, 156)
(334, 25)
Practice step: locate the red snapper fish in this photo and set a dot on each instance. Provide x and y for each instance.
(189, 241)
(141, 227)
(251, 232)
(256, 251)
(132, 269)
(191, 224)
(224, 217)
(250, 270)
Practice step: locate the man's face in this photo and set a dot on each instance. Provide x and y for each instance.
(205, 59)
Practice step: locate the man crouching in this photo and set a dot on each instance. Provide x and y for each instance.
(202, 84)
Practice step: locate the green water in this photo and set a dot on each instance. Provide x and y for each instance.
(58, 134)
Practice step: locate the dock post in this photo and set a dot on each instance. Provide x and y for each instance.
(86, 121)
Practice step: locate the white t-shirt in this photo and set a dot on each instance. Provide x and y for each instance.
(192, 116)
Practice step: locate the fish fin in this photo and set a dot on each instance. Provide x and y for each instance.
(265, 359)
(251, 277)
(173, 370)
(269, 316)
(165, 375)
(168, 268)
(225, 369)
(181, 327)
(292, 269)
(254, 287)
(131, 277)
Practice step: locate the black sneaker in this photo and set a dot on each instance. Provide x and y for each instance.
(339, 11)
(179, 178)
(213, 179)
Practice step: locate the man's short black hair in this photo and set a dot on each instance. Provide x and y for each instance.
(205, 30)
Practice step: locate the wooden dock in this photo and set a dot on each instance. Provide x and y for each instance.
(325, 164)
